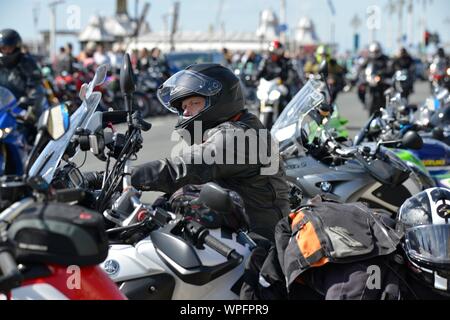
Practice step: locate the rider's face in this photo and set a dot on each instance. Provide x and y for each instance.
(192, 106)
(6, 49)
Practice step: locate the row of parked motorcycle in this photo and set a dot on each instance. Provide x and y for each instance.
(65, 87)
(268, 97)
(68, 235)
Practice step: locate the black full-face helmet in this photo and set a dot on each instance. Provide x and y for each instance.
(10, 38)
(424, 219)
(216, 83)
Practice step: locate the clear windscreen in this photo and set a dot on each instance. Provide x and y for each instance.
(48, 161)
(300, 115)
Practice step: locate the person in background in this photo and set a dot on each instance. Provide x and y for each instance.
(143, 62)
(86, 56)
(100, 56)
(20, 74)
(159, 63)
(116, 57)
(70, 57)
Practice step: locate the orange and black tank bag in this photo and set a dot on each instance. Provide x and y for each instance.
(329, 232)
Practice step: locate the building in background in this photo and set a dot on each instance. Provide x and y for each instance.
(110, 29)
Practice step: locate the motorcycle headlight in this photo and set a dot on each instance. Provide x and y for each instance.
(448, 71)
(4, 132)
(262, 95)
(274, 95)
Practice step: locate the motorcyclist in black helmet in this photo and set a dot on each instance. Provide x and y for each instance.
(20, 74)
(440, 53)
(403, 60)
(276, 65)
(381, 65)
(210, 96)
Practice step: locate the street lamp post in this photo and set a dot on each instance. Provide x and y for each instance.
(175, 9)
(400, 4)
(447, 22)
(390, 9)
(355, 23)
(283, 20)
(36, 10)
(410, 9)
(424, 19)
(52, 5)
(332, 22)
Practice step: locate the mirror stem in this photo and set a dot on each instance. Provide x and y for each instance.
(128, 107)
(328, 89)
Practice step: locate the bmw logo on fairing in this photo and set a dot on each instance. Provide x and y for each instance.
(326, 186)
(111, 267)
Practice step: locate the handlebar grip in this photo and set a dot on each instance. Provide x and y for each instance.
(222, 248)
(114, 117)
(70, 195)
(11, 277)
(145, 126)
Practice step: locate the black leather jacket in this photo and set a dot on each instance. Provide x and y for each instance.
(382, 64)
(24, 80)
(403, 62)
(266, 197)
(269, 69)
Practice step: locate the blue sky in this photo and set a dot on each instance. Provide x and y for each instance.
(237, 15)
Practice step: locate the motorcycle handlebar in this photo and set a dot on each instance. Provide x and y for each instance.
(69, 195)
(114, 117)
(221, 248)
(343, 152)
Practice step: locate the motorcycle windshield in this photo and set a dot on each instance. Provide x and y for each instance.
(299, 116)
(48, 161)
(7, 99)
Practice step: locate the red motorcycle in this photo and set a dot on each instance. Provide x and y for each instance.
(57, 249)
